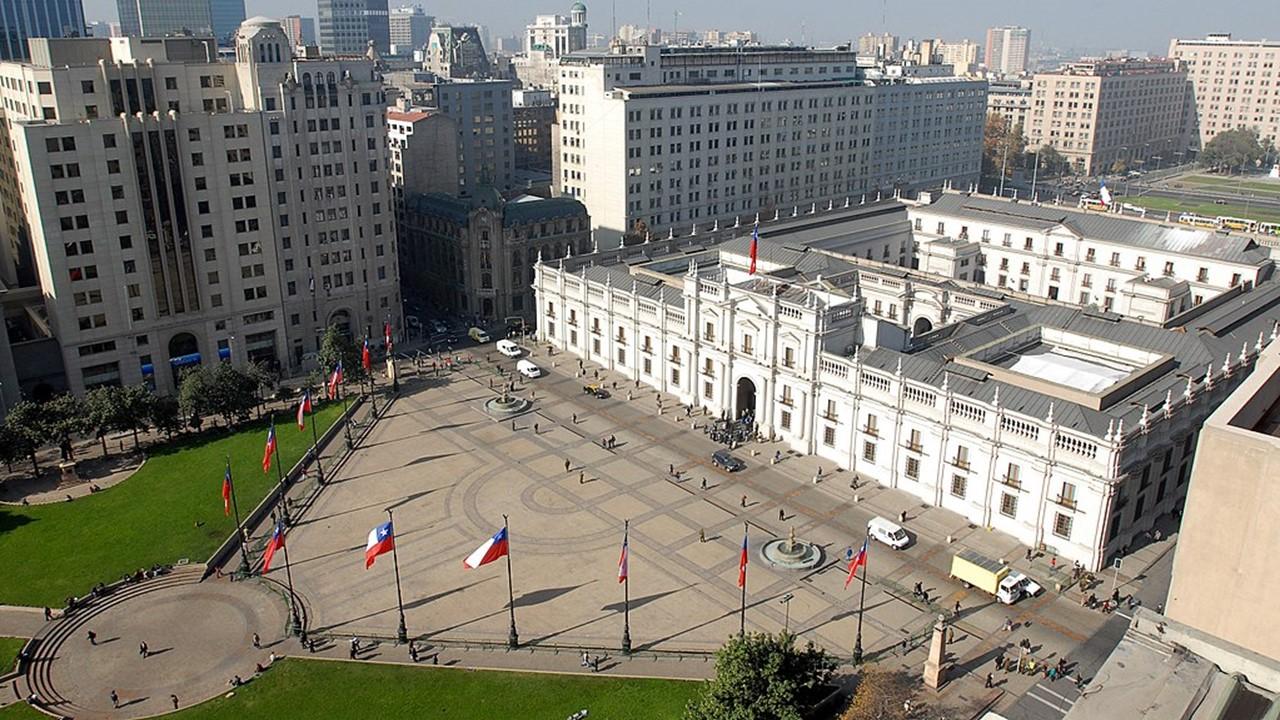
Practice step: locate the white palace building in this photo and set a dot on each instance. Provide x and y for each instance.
(1065, 426)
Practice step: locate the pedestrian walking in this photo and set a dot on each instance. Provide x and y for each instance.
(744, 501)
(174, 699)
(990, 681)
(575, 418)
(257, 642)
(355, 647)
(702, 535)
(1028, 554)
(957, 610)
(115, 699)
(671, 469)
(1000, 661)
(566, 465)
(1008, 624)
(1053, 562)
(906, 646)
(782, 515)
(48, 614)
(513, 426)
(143, 651)
(585, 659)
(93, 638)
(613, 441)
(535, 428)
(582, 478)
(704, 483)
(413, 651)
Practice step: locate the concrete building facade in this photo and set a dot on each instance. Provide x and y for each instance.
(159, 18)
(195, 228)
(457, 51)
(558, 34)
(347, 26)
(1236, 85)
(301, 31)
(1099, 112)
(1012, 101)
(533, 117)
(410, 28)
(964, 56)
(22, 19)
(424, 152)
(1006, 49)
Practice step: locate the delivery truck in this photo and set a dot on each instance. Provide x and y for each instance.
(992, 577)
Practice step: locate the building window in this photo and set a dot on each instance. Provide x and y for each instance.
(1062, 525)
(1009, 505)
(786, 420)
(648, 366)
(746, 344)
(709, 333)
(675, 376)
(1011, 477)
(829, 436)
(962, 457)
(913, 468)
(622, 356)
(707, 390)
(871, 429)
(913, 441)
(958, 485)
(1068, 495)
(869, 452)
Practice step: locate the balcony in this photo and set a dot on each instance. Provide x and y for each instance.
(595, 330)
(787, 400)
(961, 463)
(1066, 502)
(1011, 481)
(871, 430)
(912, 446)
(647, 349)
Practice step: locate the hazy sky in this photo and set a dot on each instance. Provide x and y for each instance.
(1102, 24)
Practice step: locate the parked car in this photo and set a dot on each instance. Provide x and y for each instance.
(478, 335)
(887, 532)
(595, 389)
(508, 348)
(722, 459)
(528, 369)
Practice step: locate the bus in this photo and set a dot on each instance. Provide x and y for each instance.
(1269, 228)
(1199, 221)
(1088, 203)
(1240, 224)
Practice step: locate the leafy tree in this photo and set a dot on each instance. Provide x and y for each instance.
(12, 445)
(138, 405)
(220, 390)
(104, 411)
(335, 346)
(164, 412)
(26, 431)
(884, 694)
(1119, 167)
(1233, 150)
(63, 416)
(1052, 163)
(1002, 146)
(763, 677)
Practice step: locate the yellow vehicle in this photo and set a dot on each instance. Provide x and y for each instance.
(1199, 221)
(1239, 224)
(595, 389)
(992, 577)
(1093, 204)
(478, 335)
(1269, 228)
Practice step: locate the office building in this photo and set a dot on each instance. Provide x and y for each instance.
(1061, 427)
(226, 16)
(533, 118)
(410, 29)
(423, 143)
(656, 140)
(22, 19)
(878, 46)
(348, 26)
(301, 31)
(481, 113)
(1099, 113)
(1006, 49)
(1137, 268)
(1011, 99)
(456, 51)
(1235, 83)
(964, 56)
(161, 18)
(556, 34)
(475, 256)
(193, 228)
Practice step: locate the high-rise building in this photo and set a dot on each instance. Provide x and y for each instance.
(457, 51)
(183, 209)
(880, 46)
(379, 21)
(159, 18)
(558, 35)
(1011, 99)
(661, 140)
(347, 26)
(1231, 80)
(101, 29)
(226, 16)
(424, 151)
(1007, 49)
(1098, 112)
(22, 19)
(410, 29)
(534, 117)
(964, 56)
(301, 31)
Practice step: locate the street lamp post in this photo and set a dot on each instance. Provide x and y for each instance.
(786, 617)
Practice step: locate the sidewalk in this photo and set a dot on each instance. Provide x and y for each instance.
(20, 622)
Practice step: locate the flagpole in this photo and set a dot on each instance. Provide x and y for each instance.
(862, 597)
(235, 507)
(373, 398)
(513, 639)
(742, 613)
(402, 634)
(626, 593)
(284, 500)
(346, 412)
(295, 622)
(315, 438)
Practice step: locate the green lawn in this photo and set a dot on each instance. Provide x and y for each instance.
(335, 690)
(170, 509)
(9, 648)
(21, 711)
(1200, 207)
(1225, 183)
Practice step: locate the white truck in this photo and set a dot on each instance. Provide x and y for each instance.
(992, 577)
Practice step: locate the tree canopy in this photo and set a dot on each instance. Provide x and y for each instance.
(335, 346)
(1232, 150)
(1002, 146)
(762, 676)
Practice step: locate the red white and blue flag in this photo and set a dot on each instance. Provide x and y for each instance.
(270, 450)
(755, 242)
(859, 560)
(623, 560)
(276, 543)
(226, 490)
(335, 381)
(1104, 193)
(742, 562)
(490, 550)
(304, 407)
(365, 358)
(386, 333)
(381, 540)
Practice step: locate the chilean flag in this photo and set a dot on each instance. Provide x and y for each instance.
(226, 490)
(755, 242)
(1105, 194)
(381, 540)
(859, 560)
(364, 356)
(277, 542)
(386, 333)
(492, 549)
(335, 381)
(304, 407)
(622, 561)
(270, 450)
(742, 563)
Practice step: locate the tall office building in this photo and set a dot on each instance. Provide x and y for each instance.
(344, 26)
(379, 21)
(159, 18)
(558, 35)
(22, 19)
(1102, 111)
(964, 56)
(1235, 83)
(1007, 49)
(457, 51)
(881, 46)
(180, 207)
(226, 16)
(661, 140)
(481, 114)
(410, 29)
(300, 30)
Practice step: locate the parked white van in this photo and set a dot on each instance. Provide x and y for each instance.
(528, 369)
(889, 533)
(508, 348)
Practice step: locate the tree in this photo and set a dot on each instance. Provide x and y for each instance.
(1120, 166)
(138, 404)
(61, 417)
(1232, 150)
(164, 412)
(220, 390)
(884, 694)
(12, 446)
(1002, 146)
(1052, 163)
(26, 433)
(335, 346)
(104, 411)
(763, 677)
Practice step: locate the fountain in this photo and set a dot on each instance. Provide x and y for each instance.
(790, 553)
(507, 405)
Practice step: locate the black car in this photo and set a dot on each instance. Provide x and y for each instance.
(722, 459)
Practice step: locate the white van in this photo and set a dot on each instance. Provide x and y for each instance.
(508, 348)
(887, 532)
(528, 369)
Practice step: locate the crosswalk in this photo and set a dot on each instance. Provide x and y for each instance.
(1056, 702)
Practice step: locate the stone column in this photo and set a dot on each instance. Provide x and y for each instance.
(935, 670)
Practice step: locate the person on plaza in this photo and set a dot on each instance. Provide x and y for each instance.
(257, 642)
(586, 659)
(143, 651)
(1008, 624)
(48, 613)
(93, 638)
(115, 699)
(575, 418)
(782, 515)
(582, 478)
(613, 441)
(1115, 596)
(355, 647)
(990, 681)
(957, 609)
(566, 465)
(918, 590)
(744, 501)
(174, 699)
(704, 483)
(235, 681)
